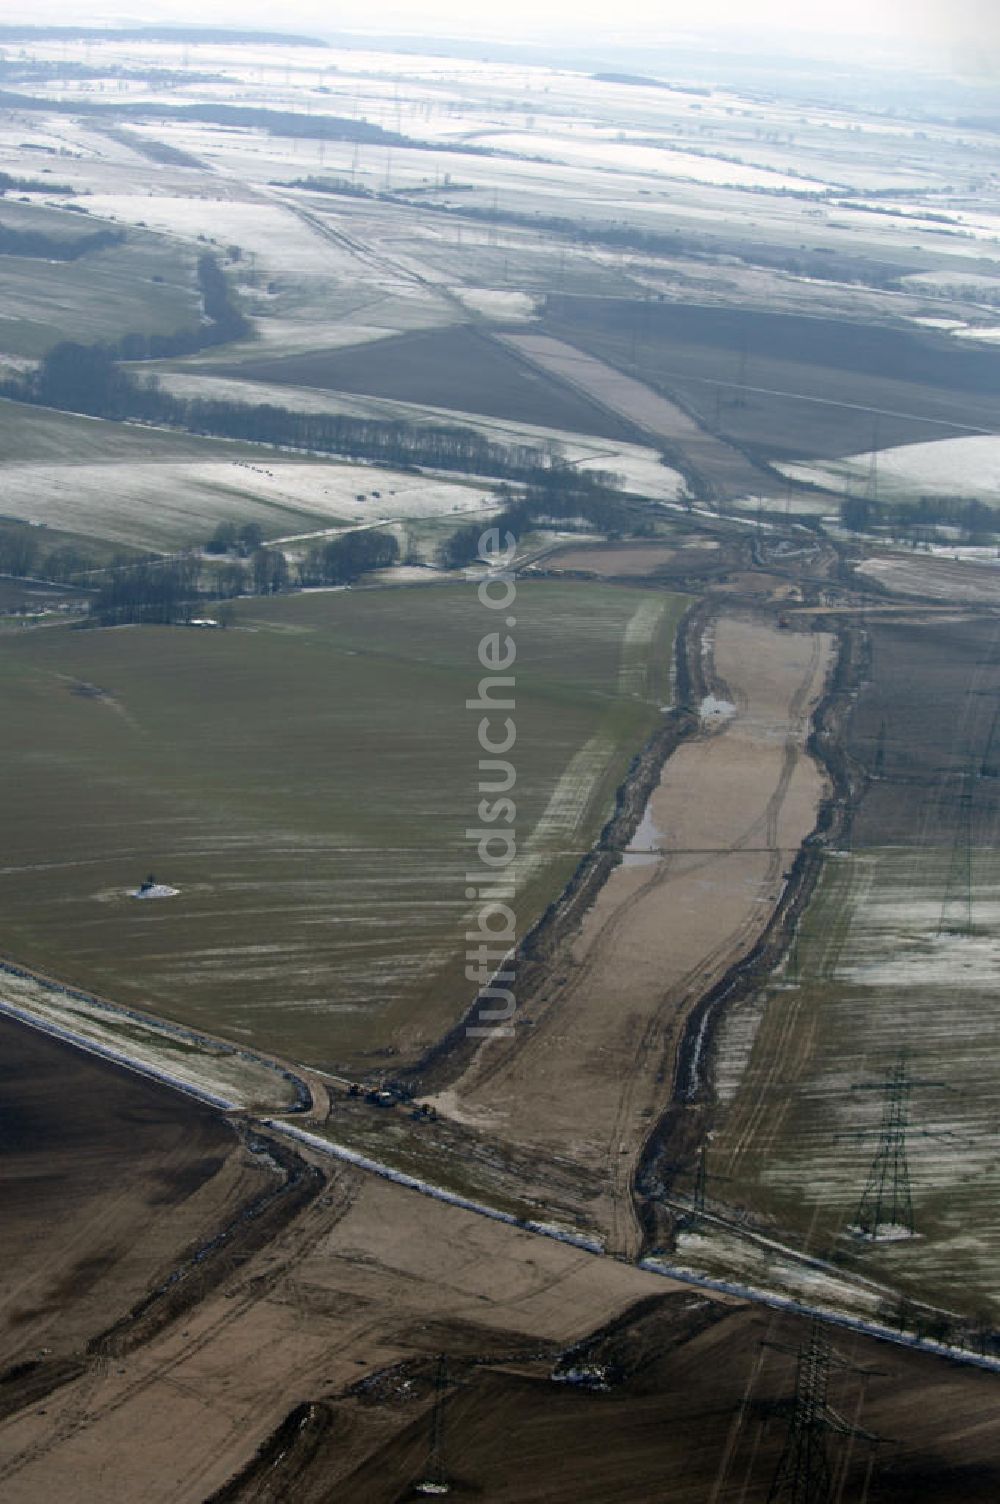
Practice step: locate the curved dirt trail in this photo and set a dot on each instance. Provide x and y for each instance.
(357, 1282)
(591, 1064)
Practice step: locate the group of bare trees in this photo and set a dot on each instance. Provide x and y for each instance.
(347, 558)
(21, 242)
(921, 519)
(162, 590)
(561, 495)
(151, 590)
(24, 554)
(88, 379)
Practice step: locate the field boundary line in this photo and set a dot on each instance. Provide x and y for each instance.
(751, 1293)
(427, 1188)
(116, 1057)
(168, 1029)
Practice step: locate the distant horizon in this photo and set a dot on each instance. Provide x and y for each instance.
(961, 39)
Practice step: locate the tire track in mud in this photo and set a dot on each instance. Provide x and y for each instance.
(663, 1029)
(671, 1137)
(765, 1103)
(78, 1416)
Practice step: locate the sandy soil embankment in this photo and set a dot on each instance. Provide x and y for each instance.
(591, 1066)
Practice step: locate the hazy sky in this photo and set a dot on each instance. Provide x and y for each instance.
(965, 30)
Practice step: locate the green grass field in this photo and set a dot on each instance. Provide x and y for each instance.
(305, 778)
(101, 296)
(886, 961)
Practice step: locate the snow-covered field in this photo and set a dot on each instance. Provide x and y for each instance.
(958, 282)
(496, 303)
(639, 467)
(954, 574)
(660, 161)
(304, 288)
(968, 467)
(171, 504)
(988, 333)
(896, 955)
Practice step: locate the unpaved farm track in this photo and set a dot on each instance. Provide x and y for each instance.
(367, 1274)
(586, 1073)
(708, 463)
(275, 1215)
(676, 1138)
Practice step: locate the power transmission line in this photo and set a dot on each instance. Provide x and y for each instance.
(805, 1473)
(886, 1201)
(957, 908)
(435, 1480)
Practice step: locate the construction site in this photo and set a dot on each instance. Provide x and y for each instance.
(537, 632)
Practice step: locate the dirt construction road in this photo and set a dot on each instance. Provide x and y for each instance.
(358, 1281)
(724, 467)
(591, 1067)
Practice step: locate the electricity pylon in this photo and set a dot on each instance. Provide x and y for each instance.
(878, 767)
(957, 907)
(886, 1200)
(434, 1480)
(871, 484)
(805, 1474)
(699, 1190)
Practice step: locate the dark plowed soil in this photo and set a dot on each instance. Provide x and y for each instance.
(696, 1406)
(454, 368)
(925, 721)
(104, 1181)
(786, 386)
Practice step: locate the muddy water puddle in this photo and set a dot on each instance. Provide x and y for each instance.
(646, 847)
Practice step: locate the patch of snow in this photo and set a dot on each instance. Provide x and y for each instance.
(888, 1232)
(950, 959)
(662, 162)
(413, 1182)
(498, 303)
(714, 712)
(586, 1376)
(932, 323)
(988, 335)
(224, 1075)
(952, 282)
(968, 467)
(646, 845)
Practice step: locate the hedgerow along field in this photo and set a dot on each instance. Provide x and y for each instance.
(305, 779)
